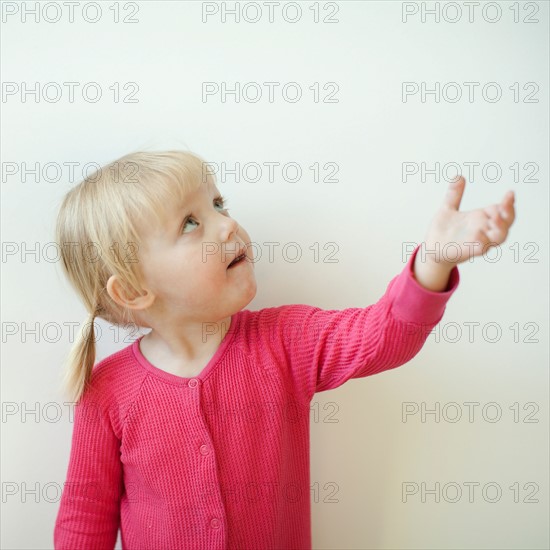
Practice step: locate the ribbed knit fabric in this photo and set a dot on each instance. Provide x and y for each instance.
(221, 461)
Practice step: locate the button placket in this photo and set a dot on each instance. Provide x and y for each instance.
(203, 449)
(215, 523)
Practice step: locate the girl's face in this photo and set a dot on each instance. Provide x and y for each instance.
(185, 261)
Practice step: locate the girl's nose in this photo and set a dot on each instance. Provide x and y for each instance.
(228, 226)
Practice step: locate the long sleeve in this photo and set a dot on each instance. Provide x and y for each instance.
(89, 512)
(322, 349)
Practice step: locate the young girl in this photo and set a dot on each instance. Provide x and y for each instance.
(196, 436)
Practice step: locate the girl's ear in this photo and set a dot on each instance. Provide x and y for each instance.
(118, 294)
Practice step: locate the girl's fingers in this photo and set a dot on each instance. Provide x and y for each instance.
(507, 206)
(503, 212)
(495, 227)
(496, 232)
(507, 213)
(510, 195)
(493, 212)
(498, 222)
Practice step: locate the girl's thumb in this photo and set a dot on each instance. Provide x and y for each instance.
(455, 192)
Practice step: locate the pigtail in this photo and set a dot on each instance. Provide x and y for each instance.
(80, 361)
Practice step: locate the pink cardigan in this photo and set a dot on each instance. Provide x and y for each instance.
(221, 461)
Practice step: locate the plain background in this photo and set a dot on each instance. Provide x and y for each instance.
(362, 452)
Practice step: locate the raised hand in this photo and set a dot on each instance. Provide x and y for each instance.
(470, 233)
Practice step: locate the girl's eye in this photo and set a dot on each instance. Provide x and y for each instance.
(220, 202)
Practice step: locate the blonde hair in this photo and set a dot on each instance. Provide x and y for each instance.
(105, 211)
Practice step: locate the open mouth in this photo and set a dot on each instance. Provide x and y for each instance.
(238, 260)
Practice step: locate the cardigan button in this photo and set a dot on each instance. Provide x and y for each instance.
(204, 449)
(215, 523)
(193, 382)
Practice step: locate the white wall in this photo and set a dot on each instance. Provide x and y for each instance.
(370, 211)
